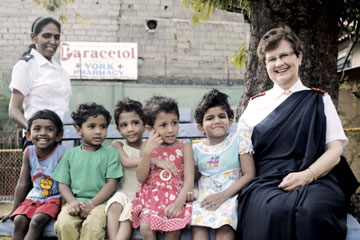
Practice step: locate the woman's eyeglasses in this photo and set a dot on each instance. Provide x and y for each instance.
(284, 57)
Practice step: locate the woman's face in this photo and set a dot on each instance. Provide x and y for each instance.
(47, 41)
(282, 65)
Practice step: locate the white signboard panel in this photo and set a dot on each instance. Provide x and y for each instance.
(99, 60)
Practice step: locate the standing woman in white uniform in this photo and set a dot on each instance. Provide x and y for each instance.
(38, 82)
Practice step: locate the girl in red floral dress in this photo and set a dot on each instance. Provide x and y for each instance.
(161, 204)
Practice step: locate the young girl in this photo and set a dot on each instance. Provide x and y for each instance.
(161, 201)
(130, 122)
(43, 202)
(222, 175)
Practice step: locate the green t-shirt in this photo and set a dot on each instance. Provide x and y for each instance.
(86, 172)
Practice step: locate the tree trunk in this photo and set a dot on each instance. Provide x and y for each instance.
(316, 24)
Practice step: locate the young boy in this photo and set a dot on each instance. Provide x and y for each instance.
(88, 175)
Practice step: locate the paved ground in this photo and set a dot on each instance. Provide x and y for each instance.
(5, 208)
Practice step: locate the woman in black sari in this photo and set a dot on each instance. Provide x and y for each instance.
(298, 139)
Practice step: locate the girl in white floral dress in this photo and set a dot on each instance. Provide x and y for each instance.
(222, 174)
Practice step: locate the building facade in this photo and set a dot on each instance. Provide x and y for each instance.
(175, 57)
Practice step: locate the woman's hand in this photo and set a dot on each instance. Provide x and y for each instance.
(166, 165)
(295, 180)
(173, 210)
(213, 201)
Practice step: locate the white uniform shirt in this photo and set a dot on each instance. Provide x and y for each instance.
(260, 107)
(44, 84)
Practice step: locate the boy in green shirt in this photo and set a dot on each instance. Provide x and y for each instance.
(88, 175)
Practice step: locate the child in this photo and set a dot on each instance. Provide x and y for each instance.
(216, 160)
(87, 175)
(161, 201)
(43, 202)
(130, 122)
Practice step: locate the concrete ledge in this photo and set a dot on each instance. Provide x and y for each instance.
(6, 228)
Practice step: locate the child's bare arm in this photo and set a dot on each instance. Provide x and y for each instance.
(67, 195)
(21, 186)
(194, 194)
(248, 168)
(143, 168)
(131, 162)
(125, 160)
(174, 209)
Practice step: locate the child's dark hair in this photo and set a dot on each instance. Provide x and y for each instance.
(128, 105)
(49, 115)
(214, 98)
(86, 110)
(158, 104)
(38, 26)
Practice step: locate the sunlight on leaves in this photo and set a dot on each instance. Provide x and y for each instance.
(52, 6)
(239, 59)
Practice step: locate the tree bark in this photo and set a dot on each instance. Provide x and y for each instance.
(316, 24)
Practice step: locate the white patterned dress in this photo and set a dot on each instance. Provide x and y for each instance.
(220, 168)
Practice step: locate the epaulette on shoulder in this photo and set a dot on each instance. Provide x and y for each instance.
(26, 57)
(324, 93)
(257, 95)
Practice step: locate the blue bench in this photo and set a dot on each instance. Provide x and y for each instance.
(187, 132)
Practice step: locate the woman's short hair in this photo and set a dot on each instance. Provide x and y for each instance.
(272, 39)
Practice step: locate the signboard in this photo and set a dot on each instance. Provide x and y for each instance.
(99, 60)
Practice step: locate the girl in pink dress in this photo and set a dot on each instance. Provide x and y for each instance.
(161, 204)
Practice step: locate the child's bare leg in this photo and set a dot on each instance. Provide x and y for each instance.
(225, 232)
(21, 224)
(125, 231)
(36, 226)
(146, 232)
(199, 233)
(113, 215)
(175, 235)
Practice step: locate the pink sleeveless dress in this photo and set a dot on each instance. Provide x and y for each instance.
(159, 191)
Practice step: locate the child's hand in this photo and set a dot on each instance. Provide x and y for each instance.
(173, 210)
(85, 210)
(3, 218)
(193, 195)
(212, 202)
(153, 142)
(74, 207)
(166, 165)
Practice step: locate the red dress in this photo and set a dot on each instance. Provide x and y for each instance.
(159, 191)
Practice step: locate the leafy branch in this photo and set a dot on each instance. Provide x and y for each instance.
(53, 5)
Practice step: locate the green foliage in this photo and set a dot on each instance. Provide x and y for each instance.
(203, 9)
(54, 5)
(239, 59)
(5, 121)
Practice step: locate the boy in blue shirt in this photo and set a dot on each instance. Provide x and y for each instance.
(88, 175)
